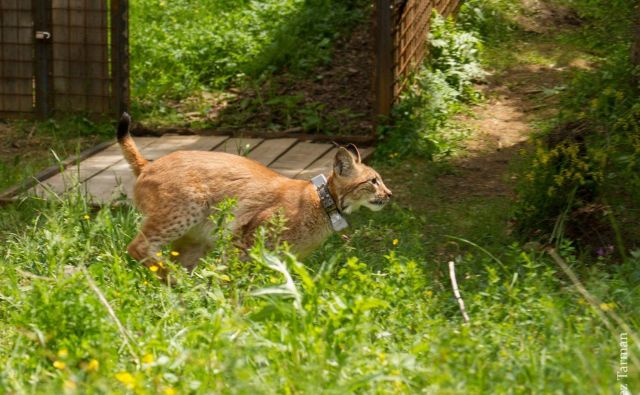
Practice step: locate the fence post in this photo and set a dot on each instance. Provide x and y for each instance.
(120, 55)
(383, 78)
(42, 23)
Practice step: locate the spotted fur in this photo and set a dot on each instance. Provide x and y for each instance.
(177, 193)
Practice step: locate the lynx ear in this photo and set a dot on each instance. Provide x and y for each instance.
(354, 150)
(344, 163)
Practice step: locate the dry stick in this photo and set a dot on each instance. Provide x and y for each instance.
(595, 303)
(128, 339)
(456, 291)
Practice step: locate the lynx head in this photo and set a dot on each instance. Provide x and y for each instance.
(354, 184)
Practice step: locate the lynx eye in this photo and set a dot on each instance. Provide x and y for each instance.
(374, 181)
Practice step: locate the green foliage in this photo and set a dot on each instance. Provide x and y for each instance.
(374, 315)
(30, 144)
(435, 92)
(605, 26)
(455, 53)
(179, 47)
(491, 19)
(584, 175)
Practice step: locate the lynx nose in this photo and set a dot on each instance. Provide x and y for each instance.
(389, 193)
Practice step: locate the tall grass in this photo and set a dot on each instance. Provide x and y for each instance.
(373, 315)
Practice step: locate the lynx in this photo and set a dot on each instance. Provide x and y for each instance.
(177, 192)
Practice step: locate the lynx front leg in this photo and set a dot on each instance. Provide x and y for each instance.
(149, 242)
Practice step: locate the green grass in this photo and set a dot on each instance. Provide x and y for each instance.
(374, 316)
(371, 312)
(30, 144)
(179, 48)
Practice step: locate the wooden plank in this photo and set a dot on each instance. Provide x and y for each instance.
(324, 165)
(238, 146)
(87, 168)
(116, 179)
(11, 193)
(299, 157)
(119, 178)
(270, 150)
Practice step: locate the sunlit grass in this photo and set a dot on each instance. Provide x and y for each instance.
(375, 314)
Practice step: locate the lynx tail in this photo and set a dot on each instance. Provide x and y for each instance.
(128, 146)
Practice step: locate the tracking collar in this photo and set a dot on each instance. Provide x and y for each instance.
(338, 222)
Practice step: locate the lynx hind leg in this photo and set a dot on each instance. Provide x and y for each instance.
(195, 244)
(155, 233)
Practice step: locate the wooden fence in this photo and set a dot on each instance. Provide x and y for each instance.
(63, 55)
(400, 29)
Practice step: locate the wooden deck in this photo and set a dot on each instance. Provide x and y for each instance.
(105, 176)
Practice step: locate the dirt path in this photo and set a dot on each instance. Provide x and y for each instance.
(518, 96)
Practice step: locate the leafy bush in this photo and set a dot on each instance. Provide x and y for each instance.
(583, 182)
(455, 53)
(435, 92)
(489, 19)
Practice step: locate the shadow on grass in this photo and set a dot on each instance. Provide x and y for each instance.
(313, 77)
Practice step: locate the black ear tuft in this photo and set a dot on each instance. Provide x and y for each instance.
(354, 150)
(344, 163)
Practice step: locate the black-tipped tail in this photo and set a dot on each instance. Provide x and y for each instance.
(123, 126)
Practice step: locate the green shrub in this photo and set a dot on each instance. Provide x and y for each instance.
(436, 91)
(583, 181)
(490, 19)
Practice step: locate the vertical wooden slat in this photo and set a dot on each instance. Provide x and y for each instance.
(81, 56)
(384, 61)
(96, 57)
(401, 39)
(635, 46)
(120, 55)
(42, 16)
(16, 57)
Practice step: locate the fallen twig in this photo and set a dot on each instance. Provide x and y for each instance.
(456, 291)
(127, 338)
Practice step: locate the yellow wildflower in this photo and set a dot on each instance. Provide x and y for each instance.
(224, 277)
(175, 253)
(607, 306)
(160, 264)
(147, 358)
(170, 391)
(127, 379)
(63, 353)
(395, 242)
(86, 216)
(70, 384)
(92, 365)
(59, 365)
(159, 253)
(153, 268)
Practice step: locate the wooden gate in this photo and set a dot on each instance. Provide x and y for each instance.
(63, 56)
(401, 28)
